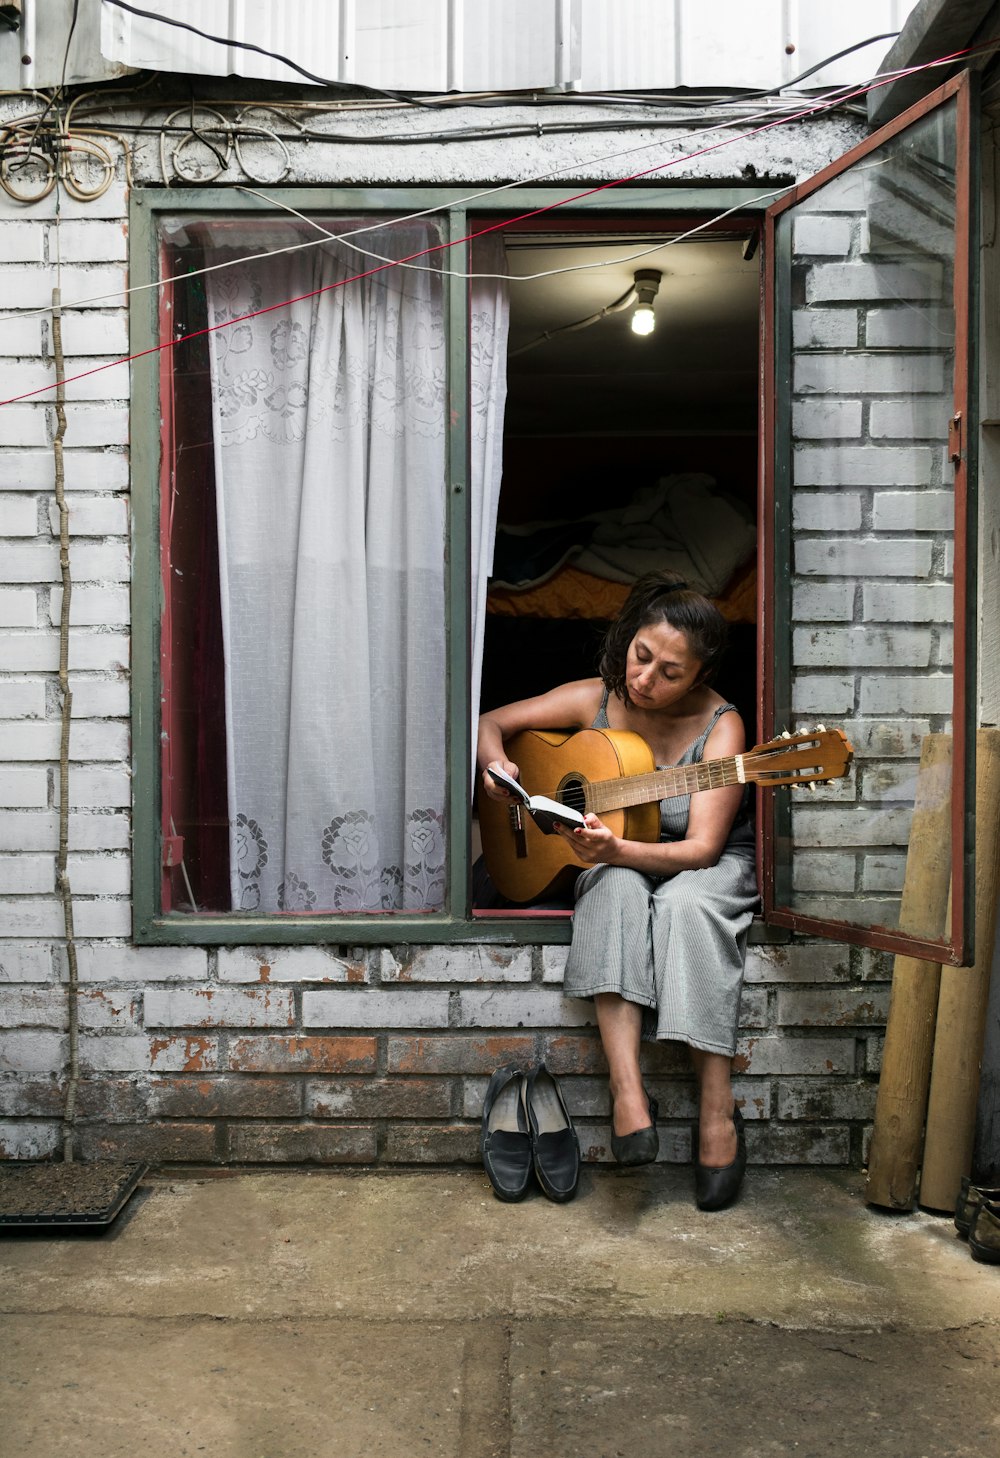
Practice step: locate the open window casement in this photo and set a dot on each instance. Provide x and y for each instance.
(868, 539)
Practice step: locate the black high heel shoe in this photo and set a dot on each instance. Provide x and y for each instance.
(642, 1145)
(714, 1188)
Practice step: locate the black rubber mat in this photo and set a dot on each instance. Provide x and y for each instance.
(65, 1194)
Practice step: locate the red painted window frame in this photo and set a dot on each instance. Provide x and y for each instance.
(955, 948)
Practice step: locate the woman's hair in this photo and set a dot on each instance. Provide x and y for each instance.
(663, 597)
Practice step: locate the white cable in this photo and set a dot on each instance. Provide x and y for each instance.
(818, 103)
(519, 277)
(386, 223)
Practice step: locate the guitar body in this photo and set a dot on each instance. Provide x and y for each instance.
(526, 865)
(600, 770)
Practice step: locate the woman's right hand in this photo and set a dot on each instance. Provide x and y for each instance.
(493, 789)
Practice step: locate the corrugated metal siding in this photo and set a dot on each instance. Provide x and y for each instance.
(467, 45)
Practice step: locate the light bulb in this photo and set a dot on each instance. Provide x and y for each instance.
(643, 319)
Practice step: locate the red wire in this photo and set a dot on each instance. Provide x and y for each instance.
(492, 228)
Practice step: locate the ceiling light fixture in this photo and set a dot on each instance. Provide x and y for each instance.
(647, 286)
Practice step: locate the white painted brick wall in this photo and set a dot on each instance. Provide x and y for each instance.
(290, 964)
(838, 511)
(39, 652)
(23, 788)
(19, 516)
(18, 609)
(880, 465)
(822, 235)
(868, 374)
(457, 964)
(170, 1010)
(32, 287)
(918, 328)
(813, 694)
(98, 698)
(913, 511)
(898, 694)
(22, 425)
(38, 830)
(823, 871)
(22, 698)
(530, 1007)
(831, 826)
(822, 601)
(862, 647)
(904, 602)
(826, 419)
(898, 739)
(828, 282)
(95, 425)
(844, 557)
(26, 962)
(220, 1007)
(825, 328)
(92, 607)
(375, 1008)
(100, 740)
(85, 470)
(909, 419)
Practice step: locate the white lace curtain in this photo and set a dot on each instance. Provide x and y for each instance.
(330, 436)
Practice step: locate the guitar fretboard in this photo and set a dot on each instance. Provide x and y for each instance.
(662, 784)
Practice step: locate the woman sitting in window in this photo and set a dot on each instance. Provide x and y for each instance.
(659, 930)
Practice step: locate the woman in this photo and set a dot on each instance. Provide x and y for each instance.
(659, 930)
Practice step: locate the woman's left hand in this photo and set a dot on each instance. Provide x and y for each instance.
(593, 843)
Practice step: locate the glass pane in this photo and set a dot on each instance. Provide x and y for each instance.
(303, 497)
(870, 524)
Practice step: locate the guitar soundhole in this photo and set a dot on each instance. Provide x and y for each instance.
(571, 793)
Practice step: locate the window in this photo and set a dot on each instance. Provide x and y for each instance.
(317, 469)
(871, 556)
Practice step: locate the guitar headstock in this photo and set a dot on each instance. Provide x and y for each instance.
(803, 758)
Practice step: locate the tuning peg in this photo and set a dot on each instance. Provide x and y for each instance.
(820, 728)
(812, 786)
(785, 734)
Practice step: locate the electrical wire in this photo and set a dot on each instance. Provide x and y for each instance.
(246, 46)
(656, 247)
(491, 228)
(410, 217)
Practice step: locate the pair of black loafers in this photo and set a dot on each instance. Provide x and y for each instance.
(527, 1130)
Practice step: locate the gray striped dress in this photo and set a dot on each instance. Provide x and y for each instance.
(675, 945)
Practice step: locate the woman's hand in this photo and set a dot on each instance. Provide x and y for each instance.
(493, 789)
(593, 843)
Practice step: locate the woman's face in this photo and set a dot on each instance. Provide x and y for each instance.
(660, 667)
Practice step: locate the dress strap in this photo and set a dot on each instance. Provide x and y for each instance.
(697, 749)
(601, 717)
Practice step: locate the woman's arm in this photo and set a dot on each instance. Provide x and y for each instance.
(571, 706)
(709, 822)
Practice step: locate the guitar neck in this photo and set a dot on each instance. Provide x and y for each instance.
(663, 784)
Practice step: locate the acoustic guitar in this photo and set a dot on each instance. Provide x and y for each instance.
(611, 773)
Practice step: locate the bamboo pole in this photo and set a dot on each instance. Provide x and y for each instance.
(961, 1017)
(894, 1157)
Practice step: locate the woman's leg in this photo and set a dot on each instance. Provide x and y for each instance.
(716, 1130)
(620, 1025)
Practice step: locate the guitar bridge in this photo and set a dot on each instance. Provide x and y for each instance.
(517, 831)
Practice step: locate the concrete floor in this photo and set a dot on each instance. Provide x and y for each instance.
(335, 1315)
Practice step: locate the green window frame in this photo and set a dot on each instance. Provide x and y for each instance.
(455, 923)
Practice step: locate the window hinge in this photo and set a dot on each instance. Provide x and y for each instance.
(955, 442)
(173, 850)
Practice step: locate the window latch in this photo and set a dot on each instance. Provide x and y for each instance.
(955, 439)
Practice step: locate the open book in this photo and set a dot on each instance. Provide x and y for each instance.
(546, 813)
